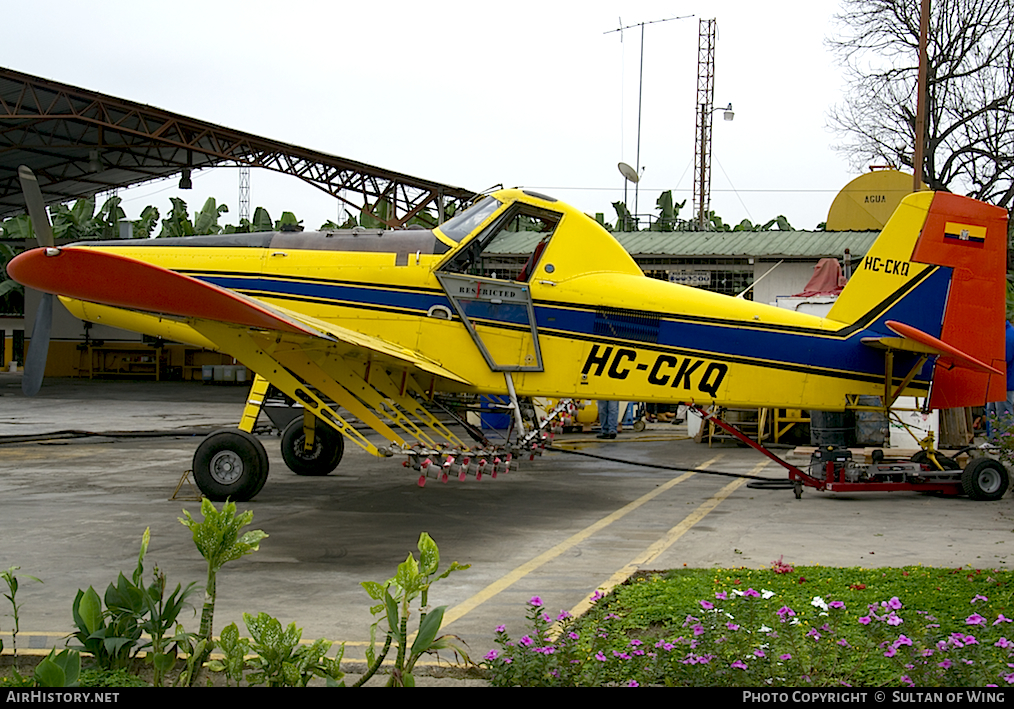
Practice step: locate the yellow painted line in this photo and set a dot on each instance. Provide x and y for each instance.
(667, 540)
(545, 557)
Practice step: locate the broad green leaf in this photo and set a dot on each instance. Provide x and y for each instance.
(429, 555)
(428, 630)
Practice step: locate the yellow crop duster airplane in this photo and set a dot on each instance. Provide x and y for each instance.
(376, 323)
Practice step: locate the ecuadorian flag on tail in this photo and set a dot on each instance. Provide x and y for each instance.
(969, 233)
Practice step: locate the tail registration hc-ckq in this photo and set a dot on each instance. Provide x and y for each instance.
(376, 323)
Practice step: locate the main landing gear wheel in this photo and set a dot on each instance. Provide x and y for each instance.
(322, 459)
(984, 479)
(230, 464)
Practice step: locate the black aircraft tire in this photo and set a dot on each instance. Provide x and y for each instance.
(230, 465)
(328, 449)
(984, 479)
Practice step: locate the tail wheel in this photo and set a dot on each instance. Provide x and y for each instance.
(230, 464)
(984, 479)
(322, 459)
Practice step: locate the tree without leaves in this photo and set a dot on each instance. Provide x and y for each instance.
(969, 141)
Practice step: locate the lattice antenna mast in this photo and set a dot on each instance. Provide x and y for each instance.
(705, 110)
(244, 193)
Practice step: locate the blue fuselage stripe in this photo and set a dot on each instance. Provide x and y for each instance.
(796, 348)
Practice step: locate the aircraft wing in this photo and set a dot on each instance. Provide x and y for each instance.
(121, 282)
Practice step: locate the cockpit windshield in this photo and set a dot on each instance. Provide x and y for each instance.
(461, 225)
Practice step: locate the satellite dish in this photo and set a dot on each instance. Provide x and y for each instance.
(628, 172)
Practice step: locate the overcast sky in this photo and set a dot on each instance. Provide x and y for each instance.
(526, 93)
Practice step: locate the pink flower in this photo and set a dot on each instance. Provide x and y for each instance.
(501, 628)
(784, 657)
(722, 596)
(600, 657)
(491, 655)
(975, 619)
(739, 665)
(633, 683)
(1001, 619)
(894, 604)
(751, 592)
(536, 601)
(707, 605)
(979, 598)
(784, 612)
(835, 604)
(865, 620)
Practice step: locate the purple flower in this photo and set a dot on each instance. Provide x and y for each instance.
(1001, 619)
(633, 683)
(501, 628)
(946, 664)
(751, 592)
(784, 657)
(894, 619)
(732, 626)
(563, 615)
(600, 657)
(722, 596)
(739, 665)
(979, 598)
(636, 642)
(890, 652)
(491, 655)
(894, 604)
(865, 620)
(1004, 643)
(535, 601)
(785, 612)
(698, 629)
(975, 619)
(759, 653)
(902, 640)
(573, 636)
(835, 604)
(597, 595)
(707, 605)
(526, 641)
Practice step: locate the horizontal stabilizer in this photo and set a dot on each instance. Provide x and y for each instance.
(915, 340)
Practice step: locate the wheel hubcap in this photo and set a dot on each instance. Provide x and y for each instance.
(302, 453)
(989, 480)
(226, 467)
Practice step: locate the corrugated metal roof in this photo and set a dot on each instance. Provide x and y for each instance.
(720, 244)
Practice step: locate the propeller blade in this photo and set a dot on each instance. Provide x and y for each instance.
(38, 348)
(36, 207)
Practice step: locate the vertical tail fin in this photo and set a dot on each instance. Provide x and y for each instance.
(939, 267)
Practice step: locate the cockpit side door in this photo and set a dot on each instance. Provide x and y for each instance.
(498, 311)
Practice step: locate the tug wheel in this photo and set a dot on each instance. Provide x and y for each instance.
(230, 465)
(984, 479)
(322, 459)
